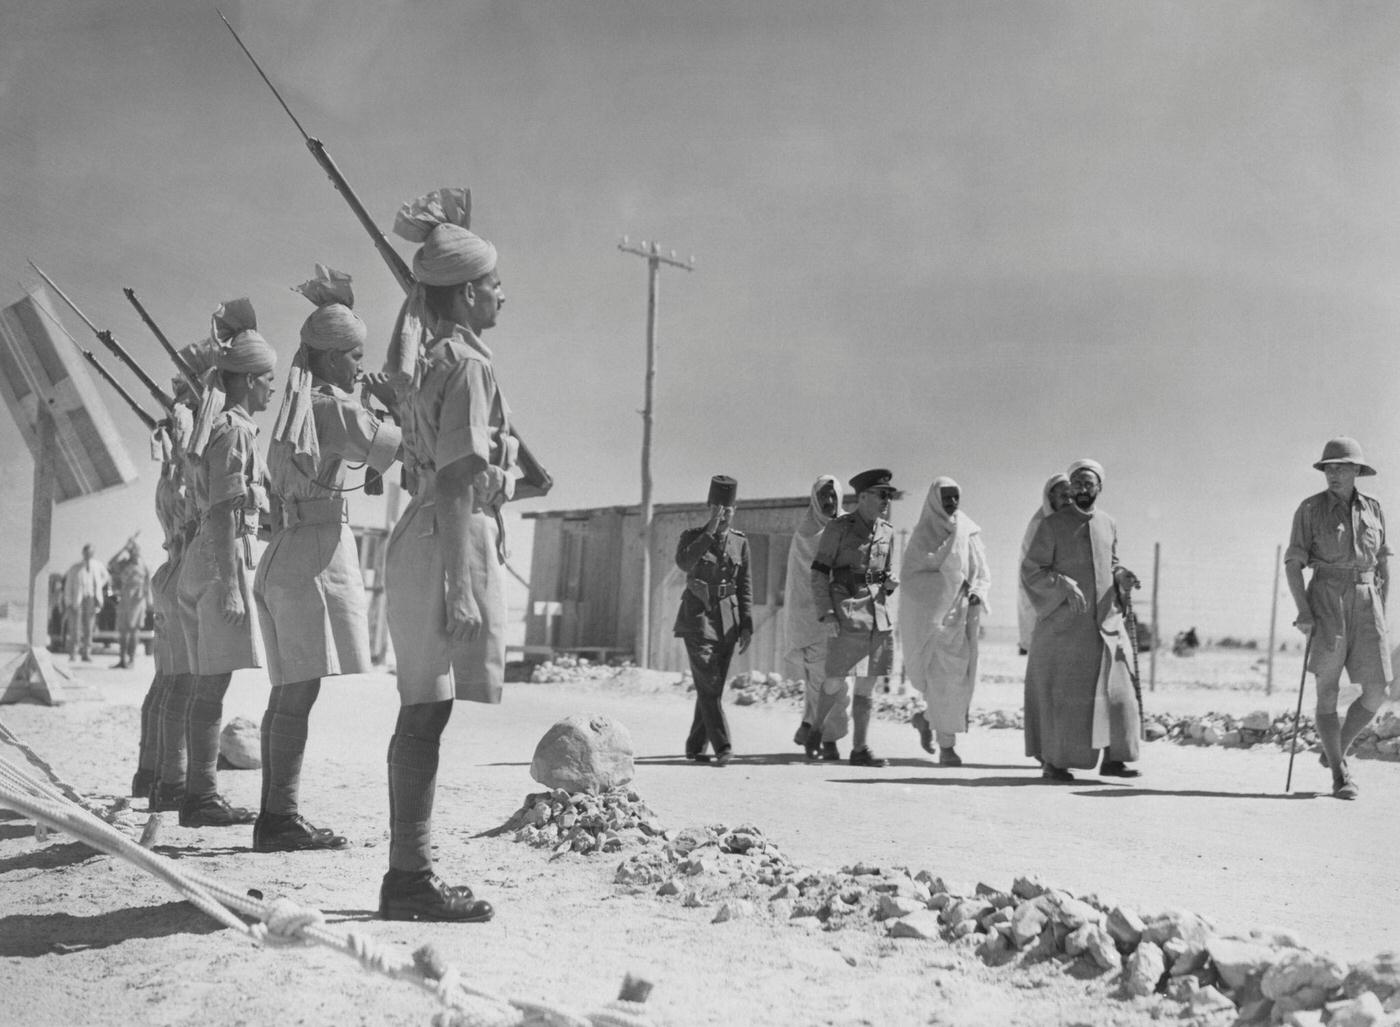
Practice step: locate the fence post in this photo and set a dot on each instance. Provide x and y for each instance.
(1273, 622)
(1156, 636)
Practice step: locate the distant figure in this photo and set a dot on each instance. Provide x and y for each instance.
(83, 590)
(807, 637)
(131, 580)
(1339, 534)
(715, 615)
(1186, 643)
(1053, 496)
(944, 579)
(851, 579)
(1079, 690)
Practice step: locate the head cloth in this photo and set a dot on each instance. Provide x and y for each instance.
(449, 254)
(1086, 464)
(239, 349)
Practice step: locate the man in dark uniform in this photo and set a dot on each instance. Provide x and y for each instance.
(852, 574)
(715, 614)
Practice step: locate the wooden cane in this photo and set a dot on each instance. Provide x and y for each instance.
(1298, 713)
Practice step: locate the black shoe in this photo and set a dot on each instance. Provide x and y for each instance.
(948, 757)
(830, 752)
(1056, 773)
(163, 798)
(863, 757)
(921, 725)
(407, 895)
(722, 758)
(1344, 787)
(213, 811)
(698, 757)
(274, 832)
(804, 732)
(1117, 768)
(142, 780)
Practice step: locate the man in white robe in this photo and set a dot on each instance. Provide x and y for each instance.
(807, 636)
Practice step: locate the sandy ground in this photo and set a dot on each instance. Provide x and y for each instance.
(88, 939)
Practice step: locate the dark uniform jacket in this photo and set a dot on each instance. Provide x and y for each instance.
(851, 573)
(718, 600)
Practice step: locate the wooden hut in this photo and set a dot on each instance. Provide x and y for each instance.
(586, 574)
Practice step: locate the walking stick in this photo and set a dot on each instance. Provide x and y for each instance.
(1125, 600)
(1298, 713)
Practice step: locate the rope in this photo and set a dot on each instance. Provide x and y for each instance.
(281, 922)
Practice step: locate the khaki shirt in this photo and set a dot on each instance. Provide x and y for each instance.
(853, 572)
(1330, 532)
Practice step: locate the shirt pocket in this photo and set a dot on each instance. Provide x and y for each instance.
(1369, 534)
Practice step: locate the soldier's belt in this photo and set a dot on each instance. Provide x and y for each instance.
(1348, 574)
(723, 589)
(847, 577)
(299, 512)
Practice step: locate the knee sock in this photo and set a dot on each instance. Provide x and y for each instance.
(283, 744)
(174, 707)
(1358, 717)
(202, 736)
(1329, 733)
(413, 763)
(860, 721)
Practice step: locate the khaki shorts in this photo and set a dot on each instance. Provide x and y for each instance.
(1350, 635)
(850, 648)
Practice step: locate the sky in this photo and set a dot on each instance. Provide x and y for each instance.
(959, 238)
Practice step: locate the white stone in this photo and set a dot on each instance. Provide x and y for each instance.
(1297, 970)
(240, 744)
(734, 909)
(920, 924)
(1144, 969)
(1238, 961)
(584, 754)
(892, 907)
(1363, 1011)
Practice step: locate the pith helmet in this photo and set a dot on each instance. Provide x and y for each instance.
(1345, 450)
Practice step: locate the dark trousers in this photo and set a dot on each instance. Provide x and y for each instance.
(709, 667)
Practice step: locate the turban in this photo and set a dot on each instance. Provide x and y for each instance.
(238, 349)
(332, 327)
(449, 254)
(1086, 465)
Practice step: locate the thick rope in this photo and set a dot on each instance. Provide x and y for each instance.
(282, 922)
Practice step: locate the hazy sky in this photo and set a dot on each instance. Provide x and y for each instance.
(947, 238)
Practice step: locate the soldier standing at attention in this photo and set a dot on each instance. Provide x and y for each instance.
(310, 593)
(851, 579)
(216, 578)
(131, 581)
(1340, 534)
(715, 615)
(444, 575)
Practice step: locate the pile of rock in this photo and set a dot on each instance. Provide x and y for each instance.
(582, 822)
(1378, 740)
(755, 686)
(571, 668)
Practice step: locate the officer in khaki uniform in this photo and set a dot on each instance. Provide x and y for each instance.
(852, 575)
(715, 616)
(1339, 534)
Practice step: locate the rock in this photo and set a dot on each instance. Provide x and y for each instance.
(1379, 974)
(1101, 948)
(1028, 888)
(1154, 732)
(1209, 1000)
(669, 888)
(734, 909)
(967, 909)
(1387, 725)
(240, 744)
(1210, 735)
(921, 924)
(1240, 964)
(1078, 939)
(1302, 978)
(1027, 921)
(584, 754)
(964, 928)
(786, 891)
(1074, 913)
(1363, 1011)
(892, 907)
(995, 949)
(1125, 927)
(1259, 720)
(1189, 927)
(1302, 1018)
(1144, 970)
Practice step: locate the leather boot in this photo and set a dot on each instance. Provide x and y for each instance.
(422, 895)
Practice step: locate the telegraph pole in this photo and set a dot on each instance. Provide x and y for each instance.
(654, 258)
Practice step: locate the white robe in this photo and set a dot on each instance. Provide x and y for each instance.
(944, 564)
(1025, 609)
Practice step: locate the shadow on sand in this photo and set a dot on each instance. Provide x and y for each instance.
(28, 935)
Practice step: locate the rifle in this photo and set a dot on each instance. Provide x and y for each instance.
(166, 401)
(535, 480)
(181, 365)
(1130, 624)
(146, 419)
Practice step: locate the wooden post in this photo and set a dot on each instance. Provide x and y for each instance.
(1156, 636)
(1273, 623)
(654, 260)
(33, 677)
